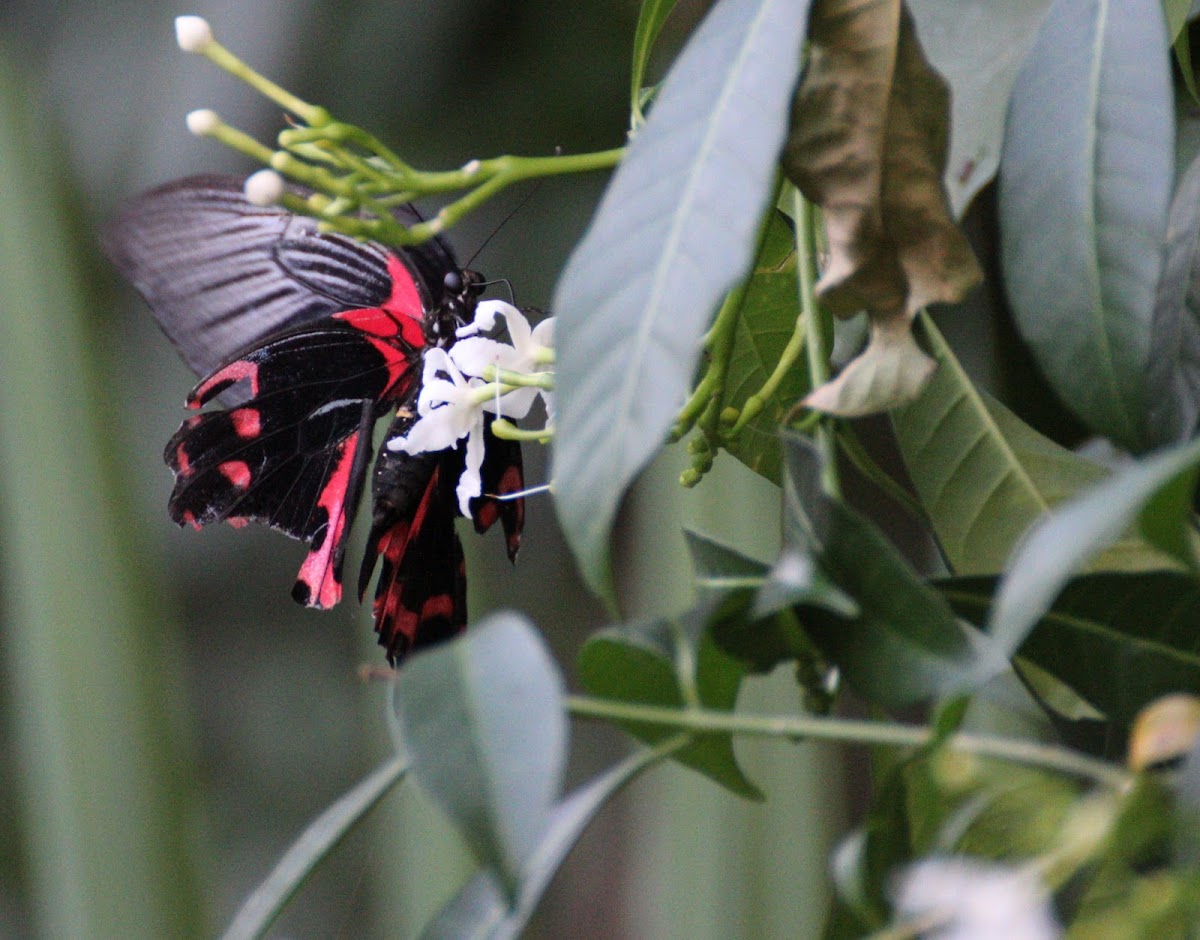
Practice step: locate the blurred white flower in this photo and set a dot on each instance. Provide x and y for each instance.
(972, 900)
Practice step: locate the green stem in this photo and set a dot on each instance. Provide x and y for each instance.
(756, 402)
(224, 59)
(507, 431)
(818, 354)
(804, 727)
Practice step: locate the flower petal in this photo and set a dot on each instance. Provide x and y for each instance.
(469, 484)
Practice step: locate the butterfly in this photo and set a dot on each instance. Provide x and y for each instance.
(304, 340)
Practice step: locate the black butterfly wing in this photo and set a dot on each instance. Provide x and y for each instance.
(421, 595)
(221, 274)
(294, 455)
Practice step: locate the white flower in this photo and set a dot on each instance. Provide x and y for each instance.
(449, 409)
(528, 353)
(972, 900)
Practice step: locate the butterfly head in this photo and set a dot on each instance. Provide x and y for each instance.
(460, 295)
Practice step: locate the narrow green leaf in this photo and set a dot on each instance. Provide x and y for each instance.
(484, 725)
(1118, 640)
(639, 663)
(480, 909)
(1148, 492)
(1174, 376)
(268, 900)
(1084, 189)
(905, 645)
(983, 475)
(674, 232)
(105, 786)
(650, 22)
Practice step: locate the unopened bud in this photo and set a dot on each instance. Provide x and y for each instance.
(192, 33)
(203, 122)
(264, 188)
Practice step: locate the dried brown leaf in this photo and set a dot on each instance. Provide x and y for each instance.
(868, 144)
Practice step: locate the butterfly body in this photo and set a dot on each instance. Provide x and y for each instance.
(307, 339)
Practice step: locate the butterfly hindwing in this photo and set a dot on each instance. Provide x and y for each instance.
(294, 455)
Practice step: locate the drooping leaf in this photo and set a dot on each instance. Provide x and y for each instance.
(1084, 189)
(868, 144)
(650, 22)
(984, 476)
(482, 719)
(905, 645)
(890, 373)
(977, 46)
(1118, 640)
(1174, 374)
(268, 900)
(640, 663)
(1154, 493)
(770, 309)
(480, 909)
(675, 230)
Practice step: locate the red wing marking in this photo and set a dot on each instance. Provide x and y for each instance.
(405, 299)
(317, 574)
(236, 472)
(222, 379)
(182, 461)
(247, 422)
(440, 605)
(238, 522)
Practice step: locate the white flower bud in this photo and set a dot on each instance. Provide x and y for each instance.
(264, 188)
(192, 33)
(202, 122)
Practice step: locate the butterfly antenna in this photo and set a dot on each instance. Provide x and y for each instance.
(503, 222)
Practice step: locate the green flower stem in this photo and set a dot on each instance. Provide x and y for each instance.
(818, 355)
(542, 380)
(240, 141)
(719, 344)
(806, 727)
(221, 57)
(756, 402)
(337, 132)
(507, 431)
(851, 446)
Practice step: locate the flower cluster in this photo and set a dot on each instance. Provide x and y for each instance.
(479, 374)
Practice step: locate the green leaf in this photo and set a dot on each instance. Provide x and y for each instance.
(984, 476)
(1118, 640)
(640, 663)
(482, 719)
(105, 788)
(769, 311)
(650, 22)
(978, 47)
(268, 900)
(790, 581)
(1176, 12)
(480, 909)
(1174, 376)
(905, 645)
(1151, 493)
(676, 229)
(1084, 189)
